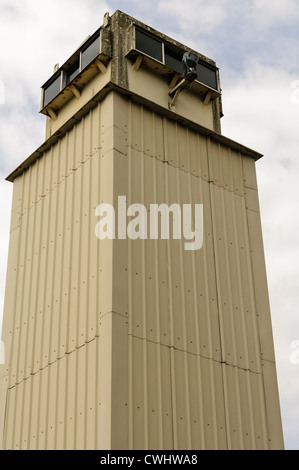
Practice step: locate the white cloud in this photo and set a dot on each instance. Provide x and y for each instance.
(270, 12)
(196, 14)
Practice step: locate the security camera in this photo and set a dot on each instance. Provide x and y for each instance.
(190, 61)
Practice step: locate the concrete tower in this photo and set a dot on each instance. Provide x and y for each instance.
(136, 344)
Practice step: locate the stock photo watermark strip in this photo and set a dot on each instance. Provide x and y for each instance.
(137, 222)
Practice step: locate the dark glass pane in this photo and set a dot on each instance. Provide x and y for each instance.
(52, 90)
(206, 75)
(73, 72)
(174, 60)
(90, 52)
(149, 45)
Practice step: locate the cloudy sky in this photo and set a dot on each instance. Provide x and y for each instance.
(255, 43)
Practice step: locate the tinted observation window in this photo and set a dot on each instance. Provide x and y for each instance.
(73, 71)
(206, 75)
(149, 45)
(174, 60)
(52, 90)
(90, 52)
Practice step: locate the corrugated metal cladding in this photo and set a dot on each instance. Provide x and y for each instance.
(137, 344)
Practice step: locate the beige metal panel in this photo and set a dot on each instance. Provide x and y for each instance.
(95, 129)
(40, 440)
(43, 304)
(28, 315)
(226, 167)
(18, 415)
(8, 326)
(40, 163)
(234, 279)
(199, 420)
(196, 404)
(147, 258)
(180, 400)
(119, 375)
(226, 178)
(252, 199)
(105, 247)
(225, 301)
(167, 141)
(233, 408)
(231, 244)
(36, 213)
(120, 246)
(249, 172)
(3, 408)
(214, 416)
(15, 375)
(198, 155)
(52, 409)
(148, 321)
(157, 318)
(135, 126)
(26, 415)
(83, 255)
(51, 423)
(49, 301)
(15, 219)
(260, 286)
(199, 309)
(276, 441)
(92, 385)
(259, 411)
(114, 138)
(237, 171)
(81, 404)
(57, 245)
(171, 143)
(205, 278)
(156, 433)
(113, 364)
(33, 427)
(8, 434)
(137, 403)
(61, 418)
(136, 251)
(70, 406)
(120, 111)
(74, 293)
(247, 287)
(175, 270)
(150, 396)
(33, 185)
(148, 124)
(93, 251)
(16, 204)
(17, 192)
(26, 191)
(245, 409)
(215, 163)
(66, 264)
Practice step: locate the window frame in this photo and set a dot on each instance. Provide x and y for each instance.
(165, 45)
(64, 70)
(147, 33)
